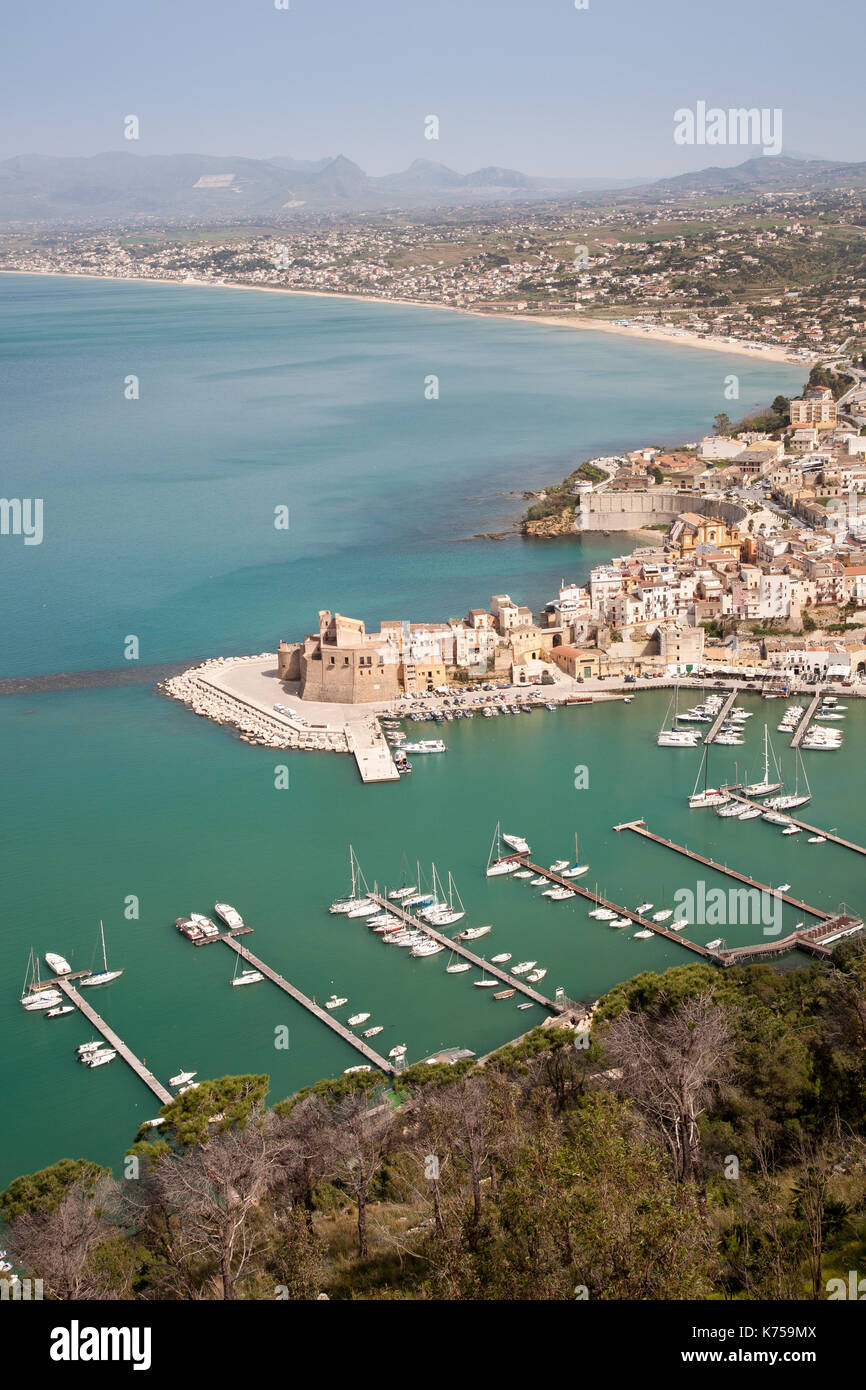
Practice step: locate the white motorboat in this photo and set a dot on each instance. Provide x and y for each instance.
(182, 1078)
(427, 948)
(372, 1032)
(58, 964)
(99, 1059)
(663, 916)
(535, 975)
(204, 924)
(83, 1048)
(817, 840)
(485, 984)
(642, 908)
(358, 1018)
(559, 895)
(473, 933)
(523, 873)
(576, 871)
(229, 915)
(58, 1012)
(458, 968)
(792, 830)
(190, 1086)
(751, 813)
(501, 958)
(643, 934)
(731, 810)
(398, 1051)
(517, 843)
(103, 976)
(426, 745)
(716, 944)
(362, 1066)
(336, 1001)
(364, 909)
(524, 967)
(619, 922)
(678, 738)
(680, 924)
(602, 914)
(537, 882)
(41, 999)
(773, 818)
(558, 865)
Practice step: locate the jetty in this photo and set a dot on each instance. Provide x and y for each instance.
(806, 720)
(512, 981)
(804, 825)
(815, 941)
(645, 922)
(299, 997)
(142, 1072)
(722, 715)
(640, 828)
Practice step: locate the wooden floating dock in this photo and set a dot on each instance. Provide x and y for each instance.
(141, 1071)
(644, 922)
(805, 721)
(722, 716)
(512, 981)
(804, 825)
(300, 998)
(813, 940)
(639, 828)
(209, 940)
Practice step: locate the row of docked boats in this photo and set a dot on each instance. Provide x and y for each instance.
(197, 927)
(513, 861)
(37, 997)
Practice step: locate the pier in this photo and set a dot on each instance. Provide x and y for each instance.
(806, 720)
(722, 715)
(512, 981)
(300, 998)
(804, 825)
(815, 941)
(163, 1096)
(640, 828)
(644, 922)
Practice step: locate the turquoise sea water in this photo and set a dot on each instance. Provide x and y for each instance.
(158, 523)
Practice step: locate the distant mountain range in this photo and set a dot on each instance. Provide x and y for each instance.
(126, 187)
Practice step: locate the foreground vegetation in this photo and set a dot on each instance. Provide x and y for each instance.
(707, 1141)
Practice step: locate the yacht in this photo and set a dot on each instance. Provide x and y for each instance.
(497, 863)
(372, 1032)
(677, 738)
(559, 895)
(248, 977)
(817, 839)
(191, 930)
(715, 944)
(41, 999)
(398, 1051)
(790, 801)
(58, 964)
(473, 933)
(732, 810)
(485, 984)
(680, 924)
(99, 1059)
(363, 909)
(792, 830)
(773, 818)
(524, 967)
(557, 866)
(537, 882)
(602, 914)
(427, 948)
(229, 915)
(523, 873)
(643, 935)
(182, 1078)
(398, 894)
(356, 898)
(765, 786)
(362, 1066)
(426, 745)
(103, 976)
(663, 916)
(517, 843)
(643, 907)
(336, 1001)
(501, 958)
(58, 1012)
(458, 968)
(83, 1048)
(535, 975)
(620, 922)
(358, 1018)
(204, 924)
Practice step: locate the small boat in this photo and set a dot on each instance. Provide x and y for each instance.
(372, 1032)
(358, 1018)
(535, 975)
(504, 994)
(558, 865)
(63, 1009)
(527, 1005)
(501, 958)
(602, 914)
(575, 871)
(715, 944)
(817, 839)
(523, 873)
(427, 947)
(783, 887)
(473, 933)
(99, 1059)
(363, 1066)
(619, 922)
(103, 976)
(191, 930)
(537, 882)
(363, 909)
(643, 935)
(485, 984)
(42, 999)
(205, 925)
(458, 968)
(229, 915)
(182, 1078)
(83, 1048)
(663, 916)
(792, 830)
(190, 1086)
(642, 908)
(336, 1001)
(500, 864)
(398, 1051)
(751, 813)
(398, 894)
(57, 963)
(524, 967)
(680, 924)
(558, 895)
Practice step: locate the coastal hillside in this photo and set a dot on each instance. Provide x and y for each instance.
(692, 1147)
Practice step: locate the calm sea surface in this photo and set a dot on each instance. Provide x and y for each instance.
(159, 524)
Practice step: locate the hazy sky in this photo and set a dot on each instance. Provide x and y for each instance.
(532, 84)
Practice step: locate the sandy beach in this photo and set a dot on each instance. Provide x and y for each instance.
(670, 337)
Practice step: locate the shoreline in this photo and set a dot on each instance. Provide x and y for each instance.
(670, 337)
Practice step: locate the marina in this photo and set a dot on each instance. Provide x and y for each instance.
(115, 1043)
